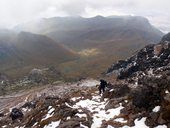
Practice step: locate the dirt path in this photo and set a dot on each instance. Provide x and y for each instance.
(18, 99)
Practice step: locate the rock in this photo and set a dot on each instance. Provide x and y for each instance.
(166, 37)
(16, 114)
(166, 113)
(1, 114)
(151, 56)
(36, 75)
(146, 98)
(118, 91)
(152, 119)
(70, 124)
(113, 103)
(121, 91)
(29, 105)
(128, 71)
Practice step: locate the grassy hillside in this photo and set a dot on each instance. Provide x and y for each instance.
(19, 53)
(97, 40)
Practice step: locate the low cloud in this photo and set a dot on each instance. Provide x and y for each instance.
(13, 12)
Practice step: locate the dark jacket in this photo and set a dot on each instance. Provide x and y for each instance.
(103, 84)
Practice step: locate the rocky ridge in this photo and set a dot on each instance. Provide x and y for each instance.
(150, 57)
(147, 74)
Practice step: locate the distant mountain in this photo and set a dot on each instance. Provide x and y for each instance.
(81, 30)
(114, 33)
(26, 50)
(103, 39)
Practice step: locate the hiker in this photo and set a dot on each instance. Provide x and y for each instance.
(102, 86)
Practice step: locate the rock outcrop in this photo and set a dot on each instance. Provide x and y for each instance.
(147, 74)
(150, 57)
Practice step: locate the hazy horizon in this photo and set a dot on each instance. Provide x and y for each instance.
(17, 12)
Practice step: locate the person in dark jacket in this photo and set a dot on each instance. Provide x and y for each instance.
(102, 86)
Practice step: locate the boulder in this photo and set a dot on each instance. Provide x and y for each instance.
(36, 75)
(16, 114)
(70, 124)
(146, 97)
(29, 105)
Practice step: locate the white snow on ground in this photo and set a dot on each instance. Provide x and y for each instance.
(69, 105)
(89, 83)
(19, 127)
(150, 72)
(75, 98)
(96, 107)
(121, 120)
(81, 115)
(166, 91)
(49, 114)
(53, 124)
(138, 124)
(156, 109)
(83, 126)
(24, 109)
(126, 101)
(104, 115)
(161, 126)
(109, 126)
(111, 90)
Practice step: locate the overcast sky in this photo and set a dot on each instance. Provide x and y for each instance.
(13, 12)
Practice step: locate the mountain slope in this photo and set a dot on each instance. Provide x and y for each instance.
(78, 29)
(28, 50)
(98, 40)
(116, 33)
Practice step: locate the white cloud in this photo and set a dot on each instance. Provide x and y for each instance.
(13, 12)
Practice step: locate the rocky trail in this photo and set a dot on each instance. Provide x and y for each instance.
(19, 98)
(77, 105)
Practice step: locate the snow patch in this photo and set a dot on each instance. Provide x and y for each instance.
(104, 115)
(83, 126)
(89, 83)
(138, 124)
(156, 109)
(126, 101)
(75, 98)
(97, 108)
(109, 126)
(81, 115)
(68, 118)
(161, 126)
(121, 120)
(50, 113)
(150, 72)
(111, 90)
(166, 91)
(53, 124)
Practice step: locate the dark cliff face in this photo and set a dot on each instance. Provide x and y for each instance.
(150, 57)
